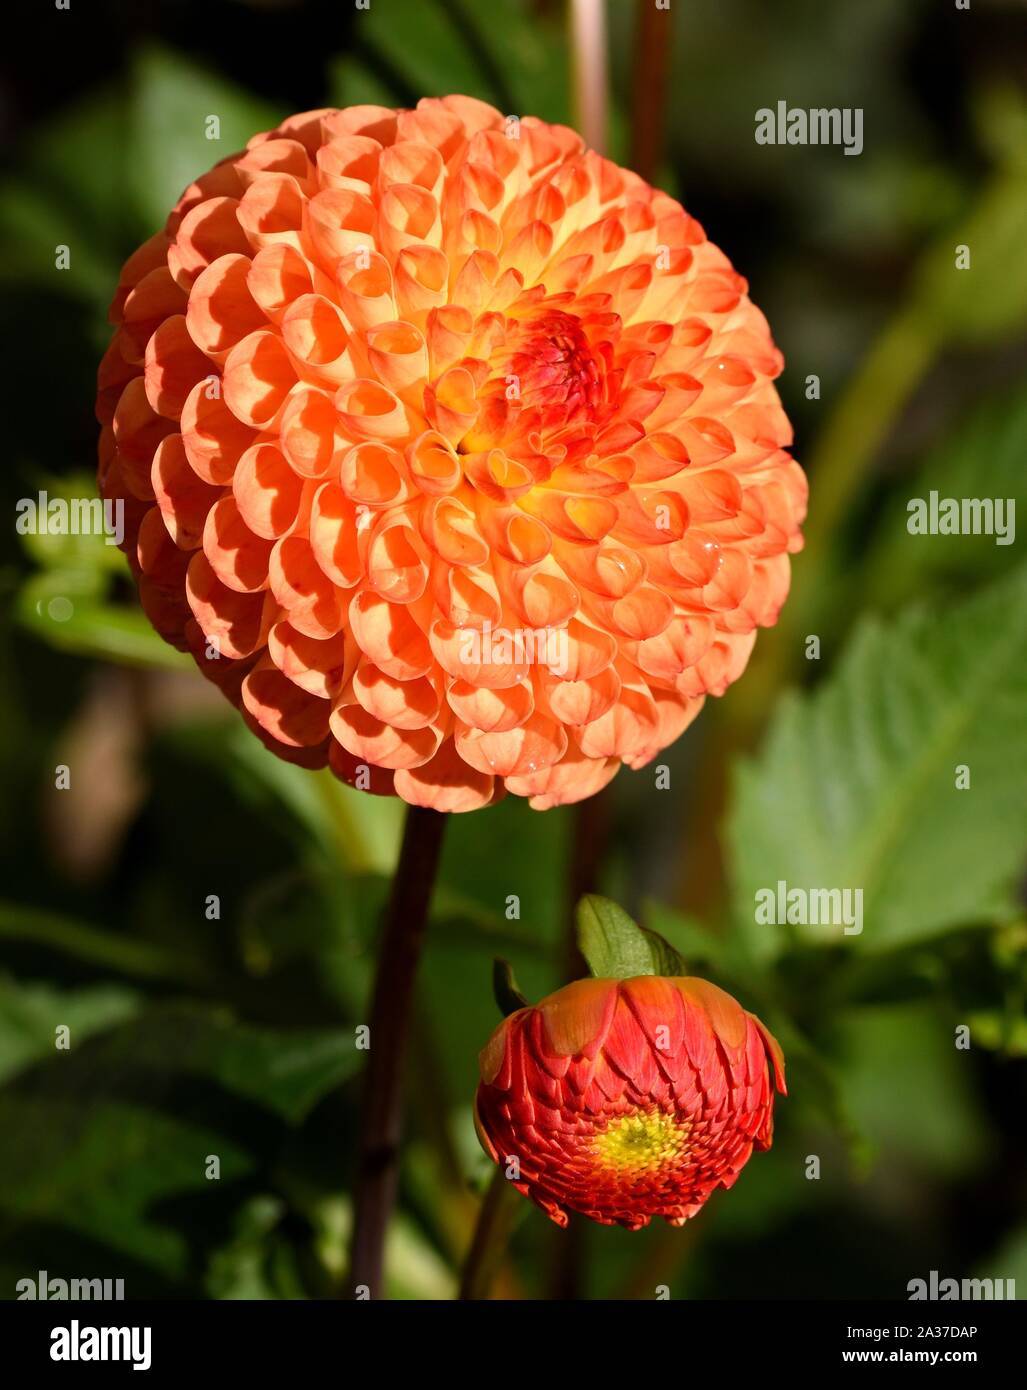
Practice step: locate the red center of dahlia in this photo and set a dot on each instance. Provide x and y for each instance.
(558, 368)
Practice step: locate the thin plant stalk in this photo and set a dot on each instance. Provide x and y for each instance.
(500, 1209)
(588, 70)
(381, 1118)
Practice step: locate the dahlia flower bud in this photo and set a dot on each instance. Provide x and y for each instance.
(628, 1099)
(453, 458)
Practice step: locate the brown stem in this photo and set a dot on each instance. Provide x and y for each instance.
(496, 1220)
(653, 41)
(588, 70)
(381, 1119)
(590, 833)
(589, 837)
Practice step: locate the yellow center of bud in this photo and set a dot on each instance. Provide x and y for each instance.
(641, 1143)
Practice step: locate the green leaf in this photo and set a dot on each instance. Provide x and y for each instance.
(352, 83)
(856, 785)
(258, 1263)
(112, 1139)
(67, 609)
(29, 1014)
(284, 1070)
(988, 300)
(617, 948)
(95, 947)
(504, 986)
(360, 831)
(691, 939)
(928, 1114)
(99, 1167)
(528, 49)
(980, 456)
(82, 550)
(32, 226)
(172, 99)
(1000, 1031)
(422, 43)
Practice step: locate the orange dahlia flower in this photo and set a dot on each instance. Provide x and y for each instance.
(628, 1099)
(450, 450)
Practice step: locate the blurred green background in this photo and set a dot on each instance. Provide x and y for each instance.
(195, 1035)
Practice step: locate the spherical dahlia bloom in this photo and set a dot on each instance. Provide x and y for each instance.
(628, 1099)
(450, 450)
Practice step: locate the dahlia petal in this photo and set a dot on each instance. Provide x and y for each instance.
(365, 284)
(537, 743)
(336, 536)
(222, 310)
(314, 332)
(290, 715)
(491, 711)
(213, 438)
(421, 278)
(371, 475)
(390, 635)
(359, 774)
(397, 568)
(681, 645)
(321, 666)
(211, 229)
(578, 1017)
(147, 304)
(281, 156)
(370, 410)
(258, 376)
(267, 491)
(237, 623)
(572, 779)
(157, 554)
(405, 704)
(381, 744)
(174, 365)
(462, 654)
(312, 603)
(272, 212)
(719, 667)
(673, 718)
(445, 783)
(138, 431)
(184, 498)
(435, 470)
(307, 432)
(277, 275)
(349, 161)
(237, 556)
(377, 122)
(408, 215)
(113, 375)
(574, 703)
(152, 255)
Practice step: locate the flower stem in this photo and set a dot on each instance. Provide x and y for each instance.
(496, 1220)
(588, 70)
(381, 1118)
(654, 36)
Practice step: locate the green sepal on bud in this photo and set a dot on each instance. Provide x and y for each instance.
(617, 948)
